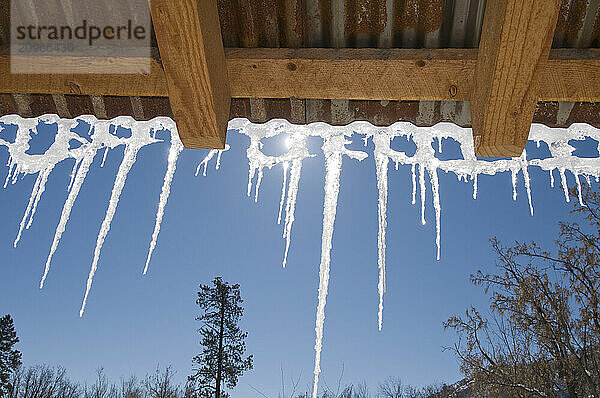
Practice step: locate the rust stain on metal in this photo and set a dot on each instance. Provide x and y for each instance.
(576, 19)
(8, 105)
(595, 41)
(545, 112)
(433, 15)
(585, 112)
(79, 105)
(364, 16)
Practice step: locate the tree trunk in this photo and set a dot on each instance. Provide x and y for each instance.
(220, 360)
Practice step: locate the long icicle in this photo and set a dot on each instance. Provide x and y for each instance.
(174, 151)
(381, 164)
(332, 185)
(139, 137)
(290, 205)
(66, 211)
(333, 148)
(435, 189)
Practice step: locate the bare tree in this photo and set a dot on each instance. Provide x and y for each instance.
(131, 388)
(42, 382)
(391, 388)
(160, 384)
(102, 387)
(542, 336)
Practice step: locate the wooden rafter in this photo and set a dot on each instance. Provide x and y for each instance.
(130, 84)
(191, 48)
(514, 47)
(364, 74)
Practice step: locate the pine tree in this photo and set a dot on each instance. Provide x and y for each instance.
(10, 358)
(221, 361)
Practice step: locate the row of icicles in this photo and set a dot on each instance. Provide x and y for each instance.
(423, 162)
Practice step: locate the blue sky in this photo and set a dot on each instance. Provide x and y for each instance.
(134, 322)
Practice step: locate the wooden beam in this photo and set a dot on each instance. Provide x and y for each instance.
(109, 82)
(398, 74)
(571, 75)
(568, 75)
(514, 47)
(368, 74)
(191, 48)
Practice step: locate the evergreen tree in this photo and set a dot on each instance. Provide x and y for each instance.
(10, 358)
(221, 361)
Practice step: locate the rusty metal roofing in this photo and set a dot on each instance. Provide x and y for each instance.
(337, 24)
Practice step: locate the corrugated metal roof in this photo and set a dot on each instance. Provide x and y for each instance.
(336, 24)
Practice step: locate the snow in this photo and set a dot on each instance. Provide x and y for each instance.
(425, 162)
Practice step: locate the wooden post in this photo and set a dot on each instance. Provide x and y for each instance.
(515, 43)
(189, 39)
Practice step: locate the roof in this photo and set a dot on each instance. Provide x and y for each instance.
(338, 24)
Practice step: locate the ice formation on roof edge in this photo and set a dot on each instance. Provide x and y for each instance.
(424, 159)
(334, 147)
(20, 162)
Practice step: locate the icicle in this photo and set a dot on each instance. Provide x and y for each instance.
(86, 160)
(21, 164)
(34, 191)
(205, 161)
(11, 168)
(68, 205)
(174, 151)
(218, 163)
(524, 164)
(414, 182)
(381, 164)
(587, 179)
(40, 192)
(15, 175)
(104, 157)
(422, 189)
(435, 189)
(579, 189)
(284, 167)
(209, 156)
(333, 148)
(73, 171)
(563, 180)
(551, 178)
(258, 181)
(290, 205)
(513, 179)
(129, 157)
